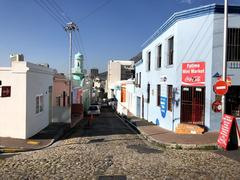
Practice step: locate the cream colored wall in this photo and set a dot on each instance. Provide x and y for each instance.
(13, 109)
(38, 81)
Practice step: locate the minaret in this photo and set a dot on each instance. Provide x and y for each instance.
(77, 70)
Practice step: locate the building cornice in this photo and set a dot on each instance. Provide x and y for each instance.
(188, 14)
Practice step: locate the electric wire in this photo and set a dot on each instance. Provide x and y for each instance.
(95, 10)
(49, 13)
(59, 10)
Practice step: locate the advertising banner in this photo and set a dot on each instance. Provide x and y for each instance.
(193, 74)
(229, 133)
(163, 105)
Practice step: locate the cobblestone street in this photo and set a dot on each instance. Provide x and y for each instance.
(110, 148)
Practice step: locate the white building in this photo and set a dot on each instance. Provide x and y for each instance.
(28, 109)
(118, 70)
(181, 61)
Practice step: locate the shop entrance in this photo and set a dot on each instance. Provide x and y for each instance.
(233, 101)
(192, 105)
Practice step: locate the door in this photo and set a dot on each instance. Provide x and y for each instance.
(142, 106)
(50, 103)
(193, 105)
(138, 106)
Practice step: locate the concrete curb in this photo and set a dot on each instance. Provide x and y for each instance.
(15, 150)
(213, 146)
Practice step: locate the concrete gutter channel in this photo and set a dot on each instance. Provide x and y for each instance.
(167, 145)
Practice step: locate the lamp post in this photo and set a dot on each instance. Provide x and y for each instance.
(225, 51)
(70, 27)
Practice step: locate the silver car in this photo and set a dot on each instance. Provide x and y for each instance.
(93, 110)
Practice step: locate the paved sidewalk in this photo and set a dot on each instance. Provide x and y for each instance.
(169, 139)
(43, 139)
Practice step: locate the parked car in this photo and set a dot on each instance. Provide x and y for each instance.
(112, 102)
(97, 104)
(104, 102)
(93, 110)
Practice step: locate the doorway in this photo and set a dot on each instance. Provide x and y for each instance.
(193, 105)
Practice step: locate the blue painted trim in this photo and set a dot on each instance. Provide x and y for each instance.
(188, 14)
(139, 62)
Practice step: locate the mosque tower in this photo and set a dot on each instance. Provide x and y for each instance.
(77, 70)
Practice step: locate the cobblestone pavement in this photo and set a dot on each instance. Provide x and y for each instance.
(85, 155)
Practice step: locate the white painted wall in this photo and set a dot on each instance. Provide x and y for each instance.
(13, 109)
(18, 118)
(38, 81)
(192, 42)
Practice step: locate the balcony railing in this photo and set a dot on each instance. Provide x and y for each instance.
(233, 64)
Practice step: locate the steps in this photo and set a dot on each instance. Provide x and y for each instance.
(184, 128)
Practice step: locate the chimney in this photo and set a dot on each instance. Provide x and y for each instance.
(16, 57)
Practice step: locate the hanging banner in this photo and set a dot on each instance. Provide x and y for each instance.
(229, 135)
(163, 105)
(193, 74)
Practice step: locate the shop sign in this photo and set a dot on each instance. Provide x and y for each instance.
(217, 106)
(193, 74)
(229, 135)
(6, 91)
(163, 105)
(220, 87)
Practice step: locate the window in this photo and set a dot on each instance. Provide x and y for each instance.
(170, 97)
(158, 94)
(136, 80)
(233, 45)
(139, 79)
(39, 103)
(159, 56)
(148, 93)
(58, 101)
(149, 61)
(170, 50)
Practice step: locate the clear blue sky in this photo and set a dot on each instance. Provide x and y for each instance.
(115, 29)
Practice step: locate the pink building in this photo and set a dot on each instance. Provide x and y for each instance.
(60, 99)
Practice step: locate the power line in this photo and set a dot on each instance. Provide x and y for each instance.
(58, 10)
(95, 10)
(61, 10)
(49, 12)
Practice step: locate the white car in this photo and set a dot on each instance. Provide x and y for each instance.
(93, 110)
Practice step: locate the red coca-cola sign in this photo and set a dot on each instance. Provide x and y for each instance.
(193, 74)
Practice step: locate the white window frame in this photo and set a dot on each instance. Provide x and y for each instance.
(39, 103)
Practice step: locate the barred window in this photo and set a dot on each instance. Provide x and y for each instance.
(233, 45)
(158, 94)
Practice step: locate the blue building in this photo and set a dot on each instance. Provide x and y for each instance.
(180, 64)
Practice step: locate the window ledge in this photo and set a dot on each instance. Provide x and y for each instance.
(169, 66)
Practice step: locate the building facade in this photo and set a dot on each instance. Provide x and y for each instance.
(118, 70)
(27, 109)
(181, 63)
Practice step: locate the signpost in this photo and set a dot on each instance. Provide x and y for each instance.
(220, 87)
(229, 135)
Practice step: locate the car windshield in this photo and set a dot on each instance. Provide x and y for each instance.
(93, 108)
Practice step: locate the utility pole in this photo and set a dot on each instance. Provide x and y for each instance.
(70, 27)
(225, 51)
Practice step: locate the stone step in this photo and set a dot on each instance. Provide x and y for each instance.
(184, 128)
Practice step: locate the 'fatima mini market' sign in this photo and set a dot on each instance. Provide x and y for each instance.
(193, 73)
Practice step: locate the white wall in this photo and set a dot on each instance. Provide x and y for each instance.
(18, 118)
(13, 109)
(38, 82)
(192, 43)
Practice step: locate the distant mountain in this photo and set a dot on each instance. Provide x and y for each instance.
(137, 58)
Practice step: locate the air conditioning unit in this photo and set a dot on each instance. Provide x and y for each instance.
(16, 57)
